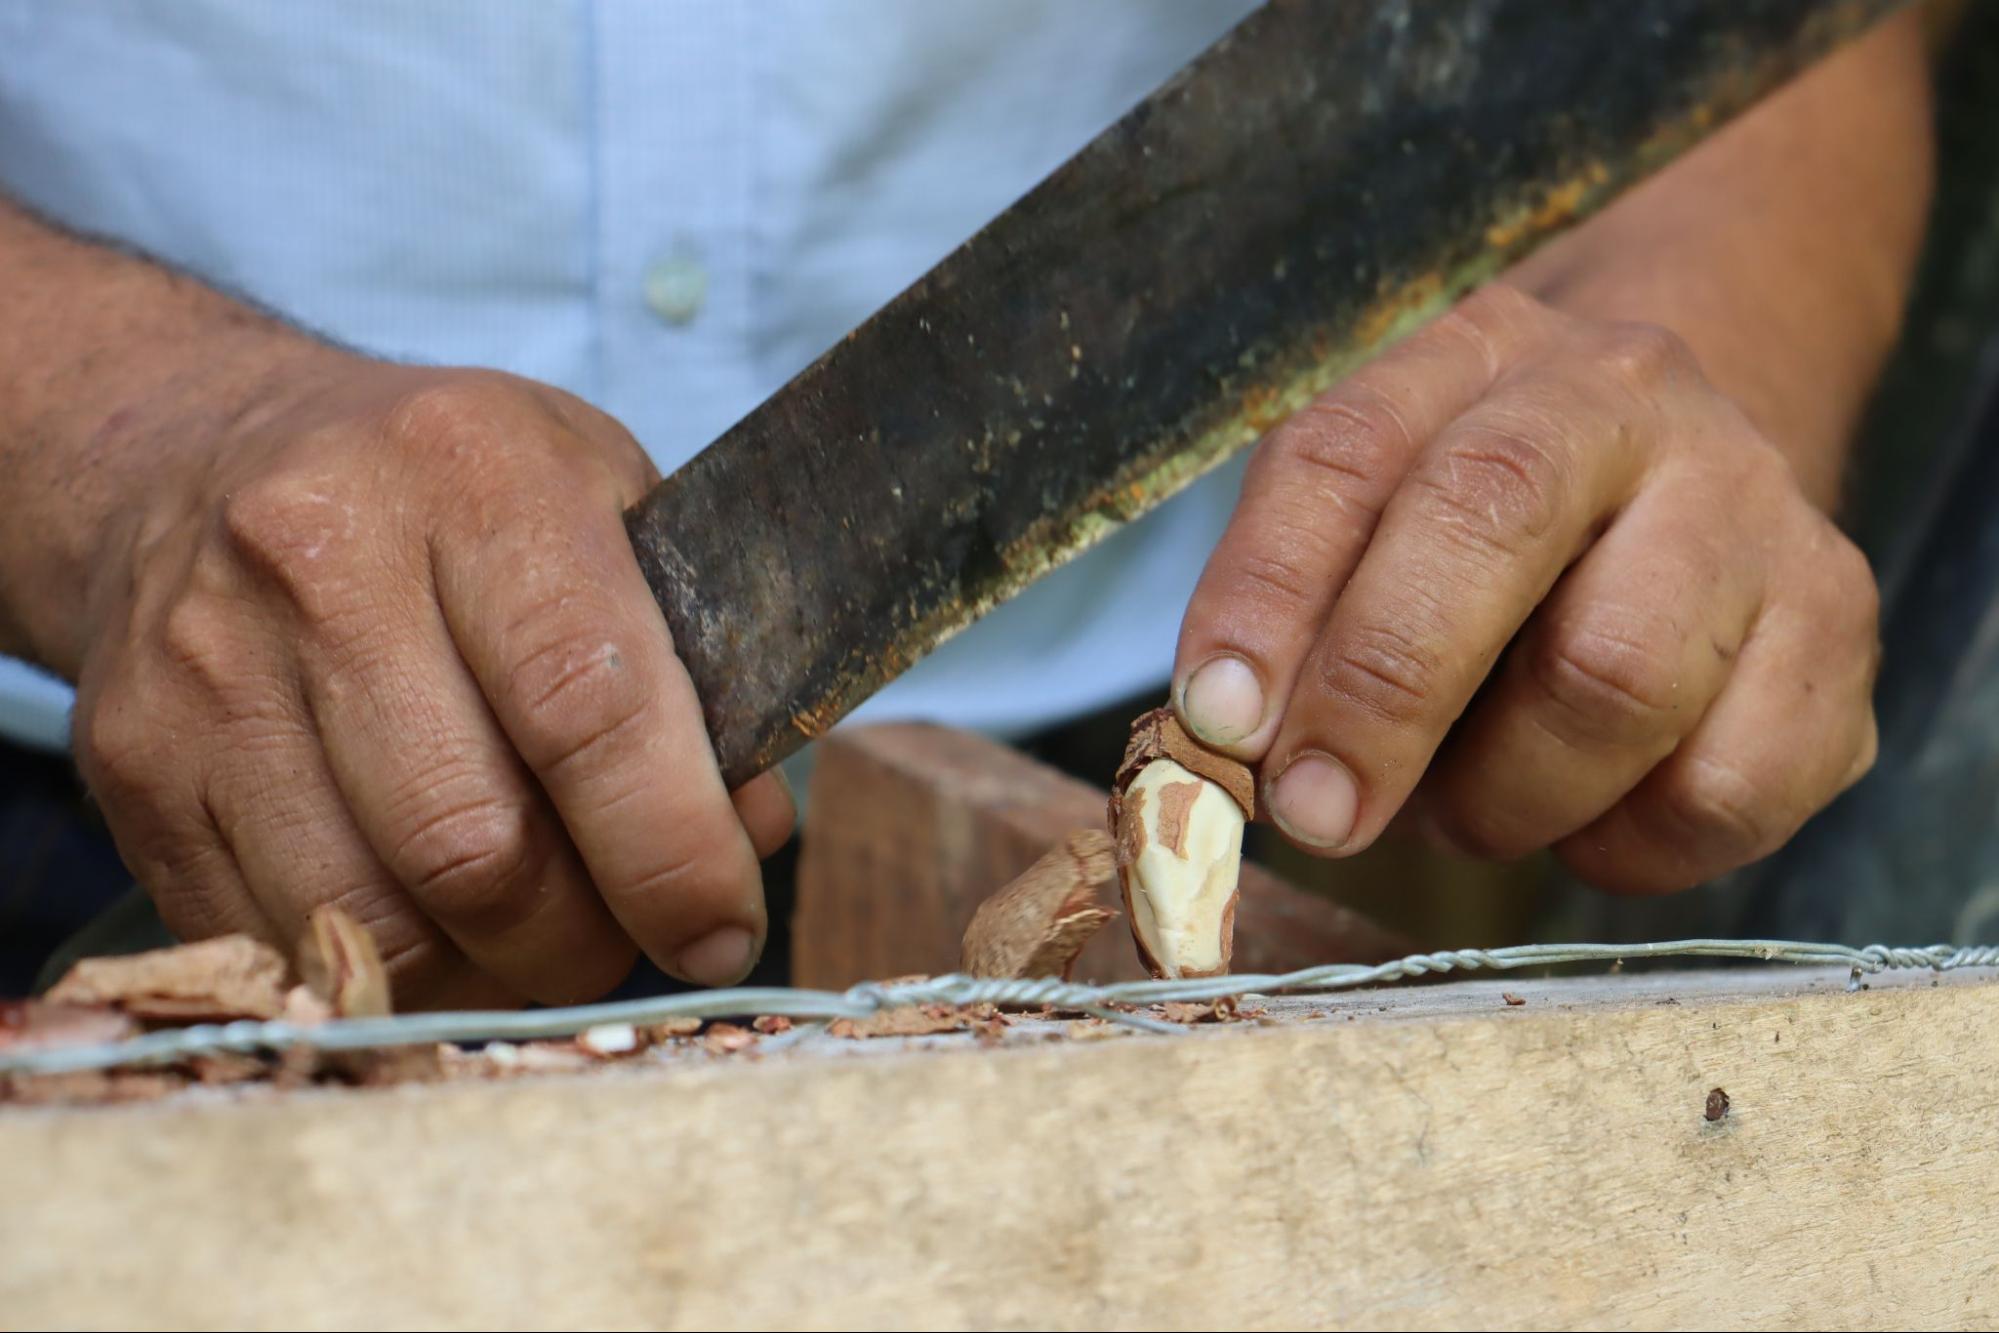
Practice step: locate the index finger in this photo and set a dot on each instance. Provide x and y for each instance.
(1313, 495)
(1493, 511)
(547, 605)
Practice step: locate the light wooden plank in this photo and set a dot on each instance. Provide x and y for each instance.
(1425, 1158)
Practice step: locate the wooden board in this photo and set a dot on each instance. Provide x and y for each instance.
(909, 827)
(1425, 1158)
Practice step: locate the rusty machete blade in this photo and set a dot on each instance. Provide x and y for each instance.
(1320, 181)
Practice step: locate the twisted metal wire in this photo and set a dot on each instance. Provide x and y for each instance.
(871, 997)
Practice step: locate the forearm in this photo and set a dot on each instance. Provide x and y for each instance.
(1781, 250)
(117, 371)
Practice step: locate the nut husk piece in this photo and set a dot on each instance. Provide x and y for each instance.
(339, 963)
(231, 976)
(1037, 924)
(908, 1021)
(37, 1025)
(1159, 735)
(1154, 736)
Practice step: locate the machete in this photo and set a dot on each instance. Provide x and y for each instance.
(1322, 180)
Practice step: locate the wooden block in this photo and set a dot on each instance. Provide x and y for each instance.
(1428, 1158)
(909, 827)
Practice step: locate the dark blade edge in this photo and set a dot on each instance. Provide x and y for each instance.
(1317, 184)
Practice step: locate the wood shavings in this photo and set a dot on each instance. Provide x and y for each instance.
(213, 981)
(988, 1023)
(393, 1065)
(504, 1059)
(32, 1025)
(1224, 1010)
(727, 1039)
(90, 1087)
(771, 1024)
(907, 1021)
(1036, 925)
(551, 1057)
(670, 1028)
(227, 1068)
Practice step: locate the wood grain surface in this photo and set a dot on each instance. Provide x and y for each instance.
(1438, 1157)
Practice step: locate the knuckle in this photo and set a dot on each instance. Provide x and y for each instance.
(1496, 485)
(573, 697)
(167, 839)
(1494, 315)
(109, 741)
(1478, 821)
(1723, 808)
(195, 641)
(1274, 583)
(1610, 685)
(465, 412)
(307, 537)
(482, 433)
(701, 874)
(1645, 356)
(1829, 585)
(287, 524)
(191, 906)
(1384, 672)
(204, 657)
(1352, 438)
(473, 862)
(1867, 751)
(1854, 590)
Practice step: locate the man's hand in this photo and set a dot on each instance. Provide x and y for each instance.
(1564, 584)
(384, 644)
(1538, 572)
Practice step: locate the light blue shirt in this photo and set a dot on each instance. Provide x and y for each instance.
(664, 206)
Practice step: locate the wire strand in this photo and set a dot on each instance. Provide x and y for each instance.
(872, 997)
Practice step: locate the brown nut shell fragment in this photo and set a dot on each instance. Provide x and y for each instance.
(1169, 827)
(338, 961)
(1037, 924)
(1159, 735)
(231, 976)
(36, 1025)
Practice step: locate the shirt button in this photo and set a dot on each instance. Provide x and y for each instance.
(675, 289)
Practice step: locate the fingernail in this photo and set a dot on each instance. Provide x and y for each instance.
(1222, 702)
(720, 958)
(1314, 801)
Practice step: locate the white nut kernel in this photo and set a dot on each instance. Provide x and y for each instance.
(1181, 851)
